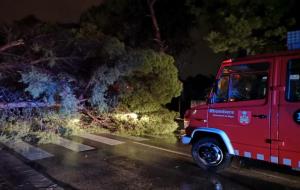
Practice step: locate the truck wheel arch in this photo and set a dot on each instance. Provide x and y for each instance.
(204, 132)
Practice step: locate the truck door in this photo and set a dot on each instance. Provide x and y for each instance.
(289, 113)
(240, 106)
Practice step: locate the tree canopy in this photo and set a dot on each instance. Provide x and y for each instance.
(242, 27)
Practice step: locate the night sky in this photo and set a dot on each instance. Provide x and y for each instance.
(47, 10)
(202, 59)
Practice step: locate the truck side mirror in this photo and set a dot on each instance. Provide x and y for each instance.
(208, 100)
(209, 96)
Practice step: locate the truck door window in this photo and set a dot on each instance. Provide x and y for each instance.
(247, 86)
(241, 83)
(221, 90)
(293, 81)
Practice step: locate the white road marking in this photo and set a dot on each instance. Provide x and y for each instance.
(28, 151)
(71, 145)
(128, 137)
(132, 137)
(135, 138)
(100, 139)
(164, 149)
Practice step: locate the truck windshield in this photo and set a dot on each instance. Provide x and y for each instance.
(293, 81)
(242, 83)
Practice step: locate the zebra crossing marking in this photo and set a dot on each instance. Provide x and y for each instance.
(32, 153)
(100, 139)
(28, 151)
(71, 145)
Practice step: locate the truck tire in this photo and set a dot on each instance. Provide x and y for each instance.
(210, 155)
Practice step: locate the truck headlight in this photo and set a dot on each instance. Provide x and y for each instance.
(186, 123)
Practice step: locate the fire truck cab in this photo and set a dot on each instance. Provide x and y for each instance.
(253, 111)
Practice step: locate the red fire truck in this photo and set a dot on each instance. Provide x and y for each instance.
(253, 111)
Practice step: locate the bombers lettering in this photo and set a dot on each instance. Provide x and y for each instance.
(222, 113)
(228, 112)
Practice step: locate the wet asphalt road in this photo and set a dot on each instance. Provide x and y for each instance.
(162, 165)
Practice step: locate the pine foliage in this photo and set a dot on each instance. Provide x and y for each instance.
(40, 85)
(153, 84)
(87, 74)
(50, 90)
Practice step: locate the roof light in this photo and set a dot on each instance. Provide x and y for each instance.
(293, 40)
(228, 61)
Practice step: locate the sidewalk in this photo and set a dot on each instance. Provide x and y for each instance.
(4, 184)
(15, 175)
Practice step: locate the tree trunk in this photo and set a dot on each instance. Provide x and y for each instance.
(14, 105)
(157, 38)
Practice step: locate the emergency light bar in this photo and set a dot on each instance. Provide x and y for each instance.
(293, 40)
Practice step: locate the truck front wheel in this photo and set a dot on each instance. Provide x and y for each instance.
(210, 155)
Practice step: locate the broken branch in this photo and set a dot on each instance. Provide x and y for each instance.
(11, 45)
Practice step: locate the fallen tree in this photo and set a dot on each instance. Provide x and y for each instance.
(82, 75)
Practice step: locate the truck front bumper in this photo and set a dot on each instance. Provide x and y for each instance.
(185, 139)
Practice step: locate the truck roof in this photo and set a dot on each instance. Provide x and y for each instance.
(262, 56)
